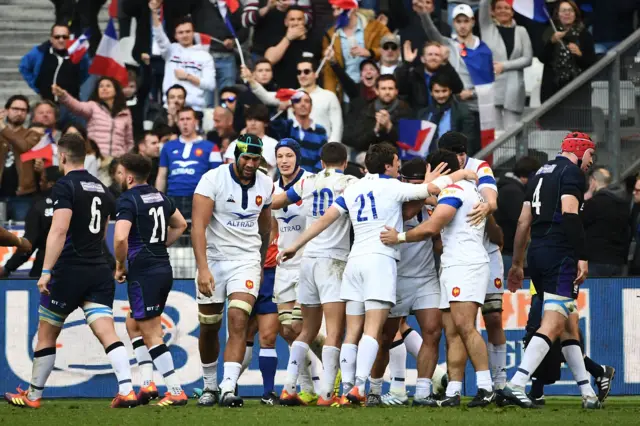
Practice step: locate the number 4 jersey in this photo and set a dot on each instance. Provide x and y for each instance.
(91, 205)
(149, 212)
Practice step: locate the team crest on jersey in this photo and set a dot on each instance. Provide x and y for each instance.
(497, 282)
(487, 171)
(258, 200)
(455, 292)
(230, 199)
(249, 284)
(199, 152)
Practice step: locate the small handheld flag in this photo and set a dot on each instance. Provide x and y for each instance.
(415, 137)
(109, 58)
(43, 150)
(284, 95)
(77, 48)
(532, 9)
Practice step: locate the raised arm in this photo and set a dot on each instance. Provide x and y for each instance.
(430, 29)
(484, 17)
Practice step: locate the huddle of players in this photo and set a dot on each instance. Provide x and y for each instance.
(364, 289)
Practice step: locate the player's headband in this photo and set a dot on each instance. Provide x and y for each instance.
(248, 144)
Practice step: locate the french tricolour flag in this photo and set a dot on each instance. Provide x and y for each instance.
(109, 60)
(77, 48)
(43, 149)
(479, 62)
(532, 9)
(415, 137)
(202, 39)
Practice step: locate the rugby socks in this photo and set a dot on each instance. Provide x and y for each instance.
(575, 361)
(164, 364)
(453, 388)
(483, 380)
(593, 367)
(413, 341)
(367, 352)
(534, 354)
(145, 365)
(423, 388)
(120, 361)
(210, 376)
(315, 367)
(297, 359)
(375, 386)
(304, 376)
(248, 356)
(268, 363)
(231, 374)
(330, 362)
(398, 367)
(498, 364)
(43, 362)
(348, 355)
(537, 388)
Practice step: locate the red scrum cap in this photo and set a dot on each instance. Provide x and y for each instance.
(577, 143)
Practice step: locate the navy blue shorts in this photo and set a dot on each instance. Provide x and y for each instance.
(553, 270)
(264, 303)
(148, 292)
(71, 286)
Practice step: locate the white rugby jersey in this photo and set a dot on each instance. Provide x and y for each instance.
(232, 233)
(373, 202)
(318, 192)
(292, 221)
(416, 259)
(462, 242)
(485, 180)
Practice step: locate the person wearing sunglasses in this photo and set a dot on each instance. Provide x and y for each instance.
(229, 98)
(49, 63)
(390, 56)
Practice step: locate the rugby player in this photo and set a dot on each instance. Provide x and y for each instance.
(230, 234)
(76, 274)
(463, 280)
(369, 279)
(557, 263)
(147, 223)
(323, 263)
(492, 307)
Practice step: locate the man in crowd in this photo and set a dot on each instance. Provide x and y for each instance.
(390, 56)
(223, 132)
(176, 96)
(263, 75)
(184, 161)
(229, 98)
(149, 147)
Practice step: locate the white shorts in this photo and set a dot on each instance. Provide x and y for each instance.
(285, 286)
(370, 277)
(496, 274)
(463, 283)
(320, 279)
(231, 276)
(414, 294)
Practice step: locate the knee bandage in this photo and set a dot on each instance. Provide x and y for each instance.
(296, 315)
(94, 311)
(243, 306)
(563, 305)
(492, 303)
(52, 318)
(209, 319)
(285, 317)
(354, 308)
(372, 305)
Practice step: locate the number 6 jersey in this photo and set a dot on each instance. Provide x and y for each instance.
(91, 205)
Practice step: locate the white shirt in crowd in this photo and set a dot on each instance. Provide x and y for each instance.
(268, 151)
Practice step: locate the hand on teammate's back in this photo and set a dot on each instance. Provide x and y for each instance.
(479, 213)
(389, 236)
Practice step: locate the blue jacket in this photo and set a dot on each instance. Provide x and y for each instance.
(31, 62)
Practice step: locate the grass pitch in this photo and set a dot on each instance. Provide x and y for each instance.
(558, 411)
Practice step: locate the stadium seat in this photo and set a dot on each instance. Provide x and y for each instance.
(600, 97)
(533, 82)
(547, 141)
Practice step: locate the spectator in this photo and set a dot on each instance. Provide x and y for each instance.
(165, 133)
(605, 217)
(149, 147)
(390, 55)
(81, 15)
(263, 75)
(413, 81)
(568, 52)
(359, 40)
(512, 53)
(447, 112)
(229, 98)
(91, 163)
(17, 177)
(49, 64)
(186, 64)
(360, 94)
(223, 123)
(36, 227)
(108, 119)
(135, 99)
(266, 17)
(634, 267)
(301, 127)
(379, 121)
(116, 177)
(183, 161)
(408, 21)
(294, 45)
(176, 96)
(257, 117)
(326, 107)
(511, 194)
(464, 48)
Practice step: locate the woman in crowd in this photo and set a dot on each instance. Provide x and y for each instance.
(108, 118)
(512, 53)
(567, 52)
